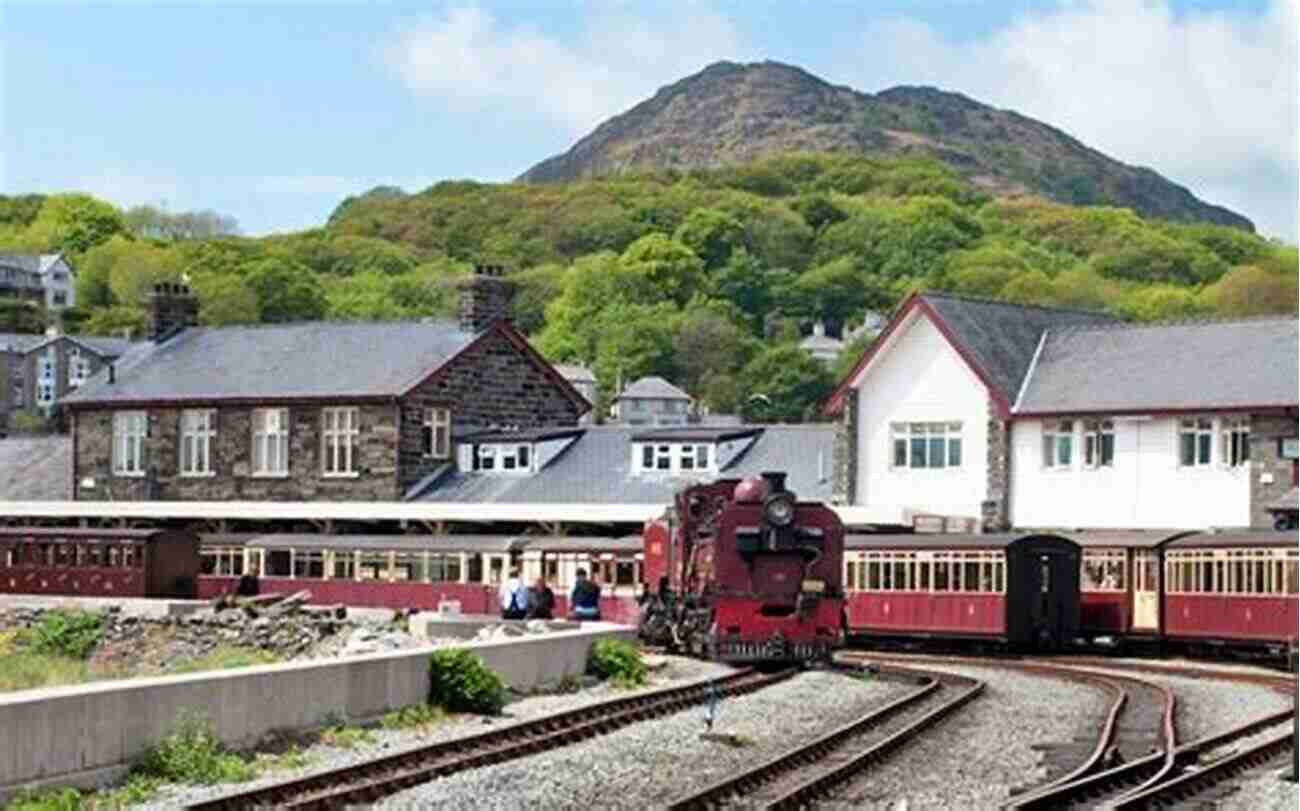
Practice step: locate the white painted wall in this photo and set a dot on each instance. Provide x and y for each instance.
(1145, 489)
(917, 376)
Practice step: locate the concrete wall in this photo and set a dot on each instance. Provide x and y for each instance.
(83, 734)
(919, 377)
(1145, 488)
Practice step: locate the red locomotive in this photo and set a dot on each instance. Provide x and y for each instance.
(744, 572)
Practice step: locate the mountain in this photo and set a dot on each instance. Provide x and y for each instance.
(730, 113)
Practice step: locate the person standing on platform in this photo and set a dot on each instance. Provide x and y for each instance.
(584, 602)
(541, 603)
(514, 597)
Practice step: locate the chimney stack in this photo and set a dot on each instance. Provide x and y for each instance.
(485, 298)
(172, 307)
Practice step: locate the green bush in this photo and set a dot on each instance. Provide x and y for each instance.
(65, 633)
(460, 682)
(191, 753)
(58, 799)
(618, 661)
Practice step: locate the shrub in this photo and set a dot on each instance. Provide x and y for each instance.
(191, 753)
(65, 633)
(58, 799)
(460, 682)
(618, 661)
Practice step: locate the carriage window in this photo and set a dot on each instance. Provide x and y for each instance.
(444, 568)
(63, 555)
(998, 567)
(1292, 573)
(923, 575)
(408, 566)
(373, 566)
(873, 574)
(941, 572)
(344, 566)
(95, 555)
(1220, 576)
(970, 576)
(901, 581)
(850, 574)
(1103, 571)
(624, 573)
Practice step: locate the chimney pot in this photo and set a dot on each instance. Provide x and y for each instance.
(485, 297)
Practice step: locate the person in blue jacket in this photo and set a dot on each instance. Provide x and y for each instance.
(584, 602)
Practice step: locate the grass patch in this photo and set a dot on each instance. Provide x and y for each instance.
(23, 670)
(413, 716)
(345, 737)
(291, 759)
(191, 753)
(56, 799)
(223, 657)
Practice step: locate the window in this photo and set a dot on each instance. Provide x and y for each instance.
(1235, 450)
(78, 367)
(44, 393)
(270, 442)
(437, 432)
(513, 458)
(339, 441)
(129, 431)
(663, 457)
(45, 377)
(926, 444)
(486, 458)
(1058, 444)
(60, 298)
(1102, 571)
(693, 457)
(197, 430)
(222, 560)
(1098, 443)
(674, 458)
(1194, 440)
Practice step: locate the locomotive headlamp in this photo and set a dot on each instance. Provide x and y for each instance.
(779, 509)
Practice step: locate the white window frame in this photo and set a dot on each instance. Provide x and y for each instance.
(1201, 429)
(689, 458)
(270, 432)
(78, 367)
(905, 436)
(437, 421)
(130, 429)
(1235, 438)
(44, 392)
(504, 458)
(198, 428)
(1107, 563)
(1058, 445)
(1095, 433)
(340, 434)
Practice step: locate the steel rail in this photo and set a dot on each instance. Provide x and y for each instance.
(376, 778)
(1190, 783)
(748, 787)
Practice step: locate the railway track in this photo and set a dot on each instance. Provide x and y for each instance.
(797, 778)
(372, 780)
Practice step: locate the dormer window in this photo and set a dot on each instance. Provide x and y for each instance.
(691, 457)
(504, 458)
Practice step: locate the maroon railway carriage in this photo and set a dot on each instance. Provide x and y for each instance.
(742, 571)
(1120, 579)
(99, 562)
(1232, 589)
(1021, 591)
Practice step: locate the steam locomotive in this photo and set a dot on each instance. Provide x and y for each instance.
(745, 573)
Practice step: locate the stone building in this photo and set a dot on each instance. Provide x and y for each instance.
(307, 411)
(652, 401)
(1000, 415)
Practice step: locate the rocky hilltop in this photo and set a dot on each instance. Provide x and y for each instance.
(731, 113)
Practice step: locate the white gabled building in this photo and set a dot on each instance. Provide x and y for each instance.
(1003, 414)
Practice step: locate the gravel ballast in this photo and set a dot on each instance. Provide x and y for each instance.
(650, 764)
(388, 742)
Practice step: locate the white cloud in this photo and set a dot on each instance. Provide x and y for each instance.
(1207, 98)
(474, 61)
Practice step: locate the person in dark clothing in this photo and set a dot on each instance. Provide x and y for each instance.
(541, 603)
(584, 602)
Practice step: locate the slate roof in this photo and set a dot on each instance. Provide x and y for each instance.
(1225, 364)
(105, 345)
(654, 387)
(306, 360)
(35, 468)
(1001, 338)
(20, 342)
(31, 262)
(596, 469)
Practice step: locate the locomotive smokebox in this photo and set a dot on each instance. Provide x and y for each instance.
(775, 481)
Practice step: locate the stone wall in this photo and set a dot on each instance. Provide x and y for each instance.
(845, 451)
(1271, 476)
(232, 459)
(996, 508)
(492, 384)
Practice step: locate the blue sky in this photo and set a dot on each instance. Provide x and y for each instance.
(274, 113)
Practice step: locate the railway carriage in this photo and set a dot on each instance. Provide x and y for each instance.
(1232, 590)
(1005, 589)
(1120, 578)
(99, 562)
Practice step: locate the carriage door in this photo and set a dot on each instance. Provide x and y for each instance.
(1146, 595)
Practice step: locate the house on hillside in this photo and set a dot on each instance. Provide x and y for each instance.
(306, 411)
(58, 364)
(583, 380)
(652, 401)
(821, 346)
(46, 279)
(1043, 417)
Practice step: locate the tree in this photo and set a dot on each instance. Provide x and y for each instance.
(745, 283)
(1159, 303)
(668, 267)
(286, 291)
(634, 340)
(224, 300)
(1250, 290)
(784, 384)
(710, 340)
(363, 297)
(113, 320)
(148, 222)
(591, 284)
(534, 288)
(75, 223)
(851, 354)
(819, 211)
(1031, 287)
(21, 316)
(712, 235)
